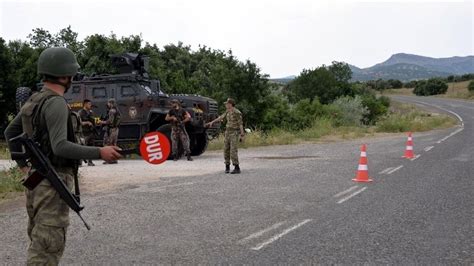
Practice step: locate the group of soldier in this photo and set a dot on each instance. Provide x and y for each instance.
(85, 124)
(177, 117)
(47, 119)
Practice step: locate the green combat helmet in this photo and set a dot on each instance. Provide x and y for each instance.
(58, 62)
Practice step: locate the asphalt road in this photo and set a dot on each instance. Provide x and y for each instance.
(291, 205)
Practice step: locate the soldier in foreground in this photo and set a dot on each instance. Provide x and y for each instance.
(111, 125)
(45, 117)
(88, 125)
(234, 133)
(178, 117)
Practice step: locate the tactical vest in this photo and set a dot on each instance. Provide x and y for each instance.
(34, 125)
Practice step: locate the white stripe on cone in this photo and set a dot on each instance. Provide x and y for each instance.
(409, 148)
(363, 154)
(363, 167)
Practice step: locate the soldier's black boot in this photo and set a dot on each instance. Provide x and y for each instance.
(189, 157)
(236, 170)
(227, 168)
(175, 157)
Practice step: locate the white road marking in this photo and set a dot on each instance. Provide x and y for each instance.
(345, 191)
(394, 170)
(451, 112)
(152, 189)
(386, 170)
(429, 148)
(416, 157)
(351, 195)
(260, 233)
(450, 135)
(439, 107)
(276, 237)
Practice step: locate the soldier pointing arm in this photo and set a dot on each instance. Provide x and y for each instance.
(233, 133)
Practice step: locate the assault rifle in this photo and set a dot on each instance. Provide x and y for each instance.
(44, 169)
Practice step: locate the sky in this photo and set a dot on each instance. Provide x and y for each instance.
(281, 37)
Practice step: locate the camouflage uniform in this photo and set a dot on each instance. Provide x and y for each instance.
(178, 132)
(232, 135)
(48, 219)
(113, 122)
(48, 214)
(45, 118)
(87, 131)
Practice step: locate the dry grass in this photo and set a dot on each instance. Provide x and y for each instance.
(458, 90)
(406, 117)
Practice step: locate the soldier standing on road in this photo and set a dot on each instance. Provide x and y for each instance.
(178, 118)
(88, 125)
(45, 117)
(111, 125)
(234, 126)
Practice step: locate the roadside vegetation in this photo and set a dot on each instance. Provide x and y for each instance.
(455, 90)
(4, 154)
(400, 118)
(10, 183)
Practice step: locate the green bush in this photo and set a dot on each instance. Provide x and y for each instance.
(304, 113)
(277, 112)
(410, 84)
(433, 86)
(395, 83)
(376, 108)
(470, 87)
(352, 111)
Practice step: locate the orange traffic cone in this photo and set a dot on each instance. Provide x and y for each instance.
(363, 171)
(409, 150)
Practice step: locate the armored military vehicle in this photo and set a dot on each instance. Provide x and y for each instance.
(141, 101)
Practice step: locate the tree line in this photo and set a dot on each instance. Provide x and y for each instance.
(209, 72)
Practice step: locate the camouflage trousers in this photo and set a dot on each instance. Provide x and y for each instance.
(48, 219)
(177, 135)
(111, 136)
(231, 141)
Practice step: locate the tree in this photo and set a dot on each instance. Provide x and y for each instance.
(68, 38)
(341, 71)
(470, 87)
(395, 83)
(431, 86)
(7, 81)
(410, 84)
(324, 83)
(41, 38)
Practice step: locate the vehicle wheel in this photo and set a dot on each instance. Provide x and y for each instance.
(199, 144)
(166, 129)
(21, 96)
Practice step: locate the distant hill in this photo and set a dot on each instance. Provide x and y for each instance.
(284, 80)
(409, 67)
